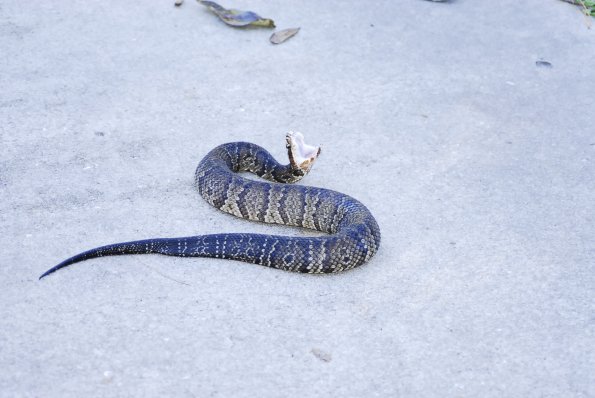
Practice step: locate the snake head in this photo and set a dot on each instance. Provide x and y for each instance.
(301, 155)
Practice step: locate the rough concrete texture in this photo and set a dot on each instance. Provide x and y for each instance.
(478, 164)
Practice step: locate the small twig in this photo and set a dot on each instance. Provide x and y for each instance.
(163, 275)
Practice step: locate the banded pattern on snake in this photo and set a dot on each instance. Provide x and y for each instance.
(352, 234)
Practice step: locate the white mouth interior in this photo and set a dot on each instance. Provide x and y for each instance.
(302, 152)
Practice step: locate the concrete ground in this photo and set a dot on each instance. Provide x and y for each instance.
(478, 163)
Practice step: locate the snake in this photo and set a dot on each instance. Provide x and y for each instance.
(348, 233)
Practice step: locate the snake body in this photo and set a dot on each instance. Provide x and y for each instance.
(352, 234)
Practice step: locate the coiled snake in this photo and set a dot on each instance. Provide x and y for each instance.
(352, 236)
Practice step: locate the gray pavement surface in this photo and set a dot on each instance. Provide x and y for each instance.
(478, 163)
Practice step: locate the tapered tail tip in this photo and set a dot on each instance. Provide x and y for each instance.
(57, 267)
(46, 273)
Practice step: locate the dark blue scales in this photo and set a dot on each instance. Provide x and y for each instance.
(352, 234)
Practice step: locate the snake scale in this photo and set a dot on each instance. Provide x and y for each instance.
(352, 234)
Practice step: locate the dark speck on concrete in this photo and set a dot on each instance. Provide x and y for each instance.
(544, 64)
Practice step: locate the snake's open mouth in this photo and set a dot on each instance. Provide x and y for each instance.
(301, 155)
